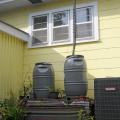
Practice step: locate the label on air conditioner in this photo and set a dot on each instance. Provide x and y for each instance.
(110, 88)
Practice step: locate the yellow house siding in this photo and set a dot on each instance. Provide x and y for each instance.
(11, 65)
(102, 57)
(21, 16)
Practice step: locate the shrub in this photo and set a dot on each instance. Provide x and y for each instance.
(11, 109)
(84, 115)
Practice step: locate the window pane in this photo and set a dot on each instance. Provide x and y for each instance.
(60, 33)
(40, 19)
(40, 22)
(60, 18)
(39, 37)
(39, 25)
(83, 15)
(84, 30)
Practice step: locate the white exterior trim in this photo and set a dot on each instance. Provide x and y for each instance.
(5, 1)
(96, 27)
(14, 32)
(70, 8)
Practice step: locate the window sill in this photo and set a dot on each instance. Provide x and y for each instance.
(64, 43)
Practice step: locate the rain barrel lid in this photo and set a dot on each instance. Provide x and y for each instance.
(43, 63)
(74, 56)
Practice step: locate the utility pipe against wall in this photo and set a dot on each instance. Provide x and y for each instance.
(74, 27)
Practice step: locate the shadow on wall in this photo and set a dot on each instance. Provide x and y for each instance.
(56, 56)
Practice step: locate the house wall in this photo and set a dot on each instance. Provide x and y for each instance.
(11, 65)
(102, 57)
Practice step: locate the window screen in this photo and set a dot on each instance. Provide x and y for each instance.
(84, 23)
(60, 26)
(40, 29)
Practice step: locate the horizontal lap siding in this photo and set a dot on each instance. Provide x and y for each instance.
(11, 65)
(102, 57)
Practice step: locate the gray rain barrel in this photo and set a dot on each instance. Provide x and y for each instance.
(43, 80)
(75, 81)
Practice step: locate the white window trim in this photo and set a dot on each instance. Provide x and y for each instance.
(69, 8)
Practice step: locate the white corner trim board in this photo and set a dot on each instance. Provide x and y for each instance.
(14, 31)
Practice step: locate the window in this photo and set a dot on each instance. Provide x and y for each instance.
(60, 26)
(56, 26)
(40, 29)
(84, 23)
